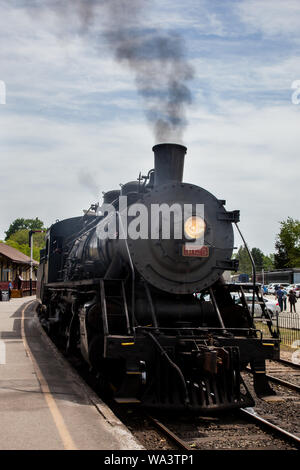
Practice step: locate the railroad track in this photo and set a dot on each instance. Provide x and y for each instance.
(169, 434)
(283, 373)
(204, 438)
(282, 433)
(294, 365)
(281, 381)
(285, 383)
(247, 416)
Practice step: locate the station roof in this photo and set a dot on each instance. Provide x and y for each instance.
(15, 255)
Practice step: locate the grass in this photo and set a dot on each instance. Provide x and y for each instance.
(287, 335)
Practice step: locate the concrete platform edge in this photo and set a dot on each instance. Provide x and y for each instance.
(95, 400)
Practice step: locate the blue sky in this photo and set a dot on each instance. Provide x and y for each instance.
(72, 110)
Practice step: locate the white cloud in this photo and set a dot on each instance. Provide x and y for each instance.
(271, 17)
(41, 161)
(71, 107)
(250, 157)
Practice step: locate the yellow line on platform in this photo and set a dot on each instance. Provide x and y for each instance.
(66, 438)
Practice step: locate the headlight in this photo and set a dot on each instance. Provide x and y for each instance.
(194, 227)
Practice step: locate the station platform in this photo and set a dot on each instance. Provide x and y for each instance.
(44, 404)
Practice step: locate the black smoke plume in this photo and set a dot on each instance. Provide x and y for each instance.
(158, 60)
(156, 57)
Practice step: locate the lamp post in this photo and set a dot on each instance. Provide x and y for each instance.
(31, 232)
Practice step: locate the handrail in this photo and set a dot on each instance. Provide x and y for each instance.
(253, 266)
(132, 271)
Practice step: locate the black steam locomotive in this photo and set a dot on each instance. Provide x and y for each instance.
(150, 312)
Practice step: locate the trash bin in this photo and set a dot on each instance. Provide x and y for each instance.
(4, 295)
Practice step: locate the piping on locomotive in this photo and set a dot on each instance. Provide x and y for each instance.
(153, 316)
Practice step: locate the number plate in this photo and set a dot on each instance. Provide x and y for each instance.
(195, 251)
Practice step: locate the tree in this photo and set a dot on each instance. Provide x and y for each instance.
(24, 224)
(22, 238)
(17, 236)
(258, 258)
(244, 261)
(268, 263)
(287, 244)
(261, 261)
(281, 259)
(25, 249)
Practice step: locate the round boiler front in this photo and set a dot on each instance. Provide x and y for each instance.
(177, 265)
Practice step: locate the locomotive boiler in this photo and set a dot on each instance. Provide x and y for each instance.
(136, 288)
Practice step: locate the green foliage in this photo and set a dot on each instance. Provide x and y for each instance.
(25, 249)
(258, 258)
(244, 261)
(17, 236)
(21, 224)
(22, 238)
(261, 261)
(268, 262)
(288, 244)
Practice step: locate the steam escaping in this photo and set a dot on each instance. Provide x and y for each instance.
(161, 74)
(156, 57)
(87, 180)
(158, 60)
(159, 63)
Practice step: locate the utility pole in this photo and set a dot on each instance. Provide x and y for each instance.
(31, 232)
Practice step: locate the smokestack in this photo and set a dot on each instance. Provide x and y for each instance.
(168, 163)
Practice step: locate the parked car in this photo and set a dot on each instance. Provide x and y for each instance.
(271, 288)
(265, 290)
(289, 287)
(284, 284)
(295, 288)
(272, 305)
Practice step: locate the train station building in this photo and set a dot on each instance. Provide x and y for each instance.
(290, 275)
(15, 267)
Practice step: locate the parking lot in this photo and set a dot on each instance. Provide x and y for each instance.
(272, 297)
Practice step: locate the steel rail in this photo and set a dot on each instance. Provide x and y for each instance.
(288, 363)
(279, 381)
(262, 422)
(283, 382)
(172, 436)
(258, 420)
(169, 433)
